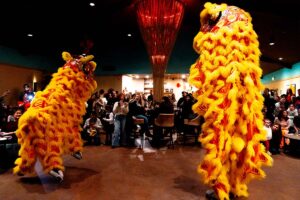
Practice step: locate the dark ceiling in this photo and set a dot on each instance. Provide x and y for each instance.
(62, 25)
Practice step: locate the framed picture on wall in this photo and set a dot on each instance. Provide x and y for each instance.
(293, 87)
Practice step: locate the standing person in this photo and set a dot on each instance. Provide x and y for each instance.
(297, 100)
(290, 96)
(120, 111)
(150, 97)
(268, 129)
(173, 99)
(269, 103)
(181, 99)
(108, 124)
(26, 97)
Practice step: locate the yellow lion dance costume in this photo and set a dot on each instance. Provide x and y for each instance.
(227, 76)
(51, 125)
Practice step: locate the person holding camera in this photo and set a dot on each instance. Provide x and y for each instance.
(120, 111)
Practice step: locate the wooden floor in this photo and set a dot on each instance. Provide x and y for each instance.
(131, 174)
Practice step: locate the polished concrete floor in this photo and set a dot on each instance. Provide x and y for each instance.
(134, 174)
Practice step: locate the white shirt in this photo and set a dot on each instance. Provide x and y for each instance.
(110, 120)
(98, 123)
(269, 132)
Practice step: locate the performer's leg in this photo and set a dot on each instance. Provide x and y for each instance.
(51, 159)
(72, 140)
(25, 163)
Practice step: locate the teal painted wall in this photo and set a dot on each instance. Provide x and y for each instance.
(180, 61)
(282, 74)
(13, 57)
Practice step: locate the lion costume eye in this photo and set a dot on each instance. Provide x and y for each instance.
(87, 69)
(212, 21)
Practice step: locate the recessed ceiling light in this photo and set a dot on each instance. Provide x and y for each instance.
(280, 58)
(30, 35)
(129, 35)
(92, 4)
(271, 43)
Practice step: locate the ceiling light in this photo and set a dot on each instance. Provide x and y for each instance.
(280, 58)
(30, 35)
(92, 4)
(271, 43)
(129, 35)
(183, 76)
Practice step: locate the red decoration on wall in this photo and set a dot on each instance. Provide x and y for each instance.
(178, 85)
(159, 22)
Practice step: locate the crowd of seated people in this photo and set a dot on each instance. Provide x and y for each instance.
(280, 112)
(110, 113)
(118, 111)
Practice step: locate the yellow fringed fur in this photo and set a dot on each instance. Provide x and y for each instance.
(51, 125)
(227, 76)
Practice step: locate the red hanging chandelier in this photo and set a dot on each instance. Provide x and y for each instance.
(159, 22)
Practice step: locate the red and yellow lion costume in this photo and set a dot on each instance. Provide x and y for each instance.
(51, 125)
(227, 76)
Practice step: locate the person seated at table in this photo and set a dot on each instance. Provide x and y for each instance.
(137, 110)
(186, 111)
(108, 124)
(92, 128)
(12, 124)
(290, 146)
(165, 107)
(295, 129)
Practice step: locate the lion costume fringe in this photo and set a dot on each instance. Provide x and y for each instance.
(51, 125)
(227, 76)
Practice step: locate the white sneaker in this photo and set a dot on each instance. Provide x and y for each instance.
(77, 155)
(138, 128)
(57, 174)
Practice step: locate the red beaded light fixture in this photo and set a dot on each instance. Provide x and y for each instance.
(159, 22)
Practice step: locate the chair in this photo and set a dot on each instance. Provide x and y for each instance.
(137, 132)
(166, 123)
(192, 127)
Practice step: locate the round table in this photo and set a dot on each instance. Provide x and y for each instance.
(292, 143)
